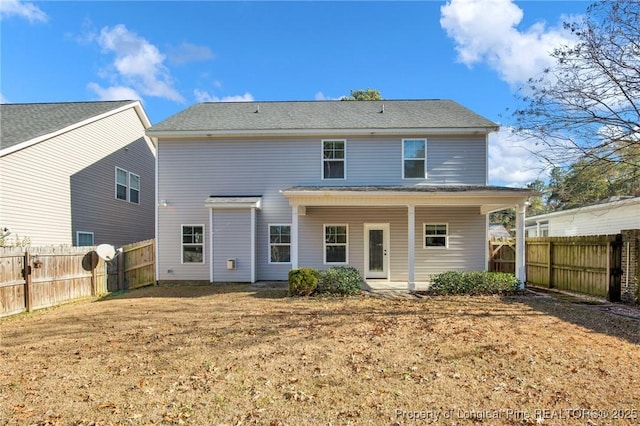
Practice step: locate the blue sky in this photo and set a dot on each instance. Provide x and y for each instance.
(173, 54)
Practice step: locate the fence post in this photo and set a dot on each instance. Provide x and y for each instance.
(94, 281)
(26, 273)
(550, 264)
(121, 281)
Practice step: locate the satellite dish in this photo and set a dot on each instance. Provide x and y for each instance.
(106, 251)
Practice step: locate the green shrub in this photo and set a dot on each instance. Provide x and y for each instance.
(303, 281)
(341, 280)
(474, 283)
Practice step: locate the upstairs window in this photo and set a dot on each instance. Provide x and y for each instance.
(414, 156)
(436, 235)
(333, 156)
(134, 188)
(122, 178)
(192, 244)
(127, 186)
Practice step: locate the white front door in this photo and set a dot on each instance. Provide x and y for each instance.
(376, 250)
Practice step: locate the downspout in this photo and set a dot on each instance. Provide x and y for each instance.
(157, 211)
(520, 244)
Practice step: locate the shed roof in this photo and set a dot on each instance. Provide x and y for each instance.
(23, 122)
(321, 115)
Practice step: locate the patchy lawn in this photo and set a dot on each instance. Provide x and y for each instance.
(236, 355)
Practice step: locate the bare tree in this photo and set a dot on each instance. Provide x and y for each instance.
(587, 106)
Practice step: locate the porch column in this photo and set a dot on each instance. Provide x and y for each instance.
(253, 245)
(294, 237)
(411, 250)
(520, 244)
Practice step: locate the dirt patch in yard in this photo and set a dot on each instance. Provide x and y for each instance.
(245, 355)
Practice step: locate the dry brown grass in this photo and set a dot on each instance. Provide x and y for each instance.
(235, 355)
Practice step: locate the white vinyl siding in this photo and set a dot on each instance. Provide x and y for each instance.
(280, 243)
(336, 244)
(334, 164)
(436, 235)
(84, 239)
(414, 158)
(192, 243)
(231, 239)
(190, 170)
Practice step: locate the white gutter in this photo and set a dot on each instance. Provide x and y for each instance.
(318, 132)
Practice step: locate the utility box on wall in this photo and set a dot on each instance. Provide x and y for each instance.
(231, 264)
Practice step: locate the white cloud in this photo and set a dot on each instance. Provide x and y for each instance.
(29, 11)
(204, 96)
(3, 100)
(322, 97)
(512, 162)
(138, 64)
(114, 93)
(188, 52)
(486, 31)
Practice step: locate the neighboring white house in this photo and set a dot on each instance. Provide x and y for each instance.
(76, 173)
(397, 189)
(604, 218)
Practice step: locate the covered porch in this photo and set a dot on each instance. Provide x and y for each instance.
(415, 203)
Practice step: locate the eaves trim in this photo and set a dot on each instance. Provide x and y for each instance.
(26, 144)
(318, 132)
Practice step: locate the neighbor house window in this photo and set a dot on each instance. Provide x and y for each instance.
(414, 157)
(279, 243)
(122, 178)
(333, 156)
(84, 239)
(436, 235)
(134, 188)
(192, 244)
(127, 186)
(336, 244)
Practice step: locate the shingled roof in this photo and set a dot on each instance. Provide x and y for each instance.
(234, 117)
(23, 122)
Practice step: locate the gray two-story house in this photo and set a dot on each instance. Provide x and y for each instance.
(395, 188)
(76, 173)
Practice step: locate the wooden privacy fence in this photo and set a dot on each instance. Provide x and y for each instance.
(133, 268)
(40, 277)
(502, 255)
(587, 264)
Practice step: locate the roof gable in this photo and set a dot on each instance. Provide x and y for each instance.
(20, 123)
(229, 117)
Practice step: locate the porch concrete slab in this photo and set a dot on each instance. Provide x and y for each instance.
(395, 286)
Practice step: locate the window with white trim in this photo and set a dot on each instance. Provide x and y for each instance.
(414, 158)
(127, 186)
(192, 243)
(122, 179)
(333, 159)
(280, 243)
(84, 239)
(436, 235)
(134, 188)
(336, 244)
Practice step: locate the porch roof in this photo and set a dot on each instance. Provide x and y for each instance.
(487, 198)
(233, 202)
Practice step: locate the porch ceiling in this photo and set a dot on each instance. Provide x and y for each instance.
(487, 198)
